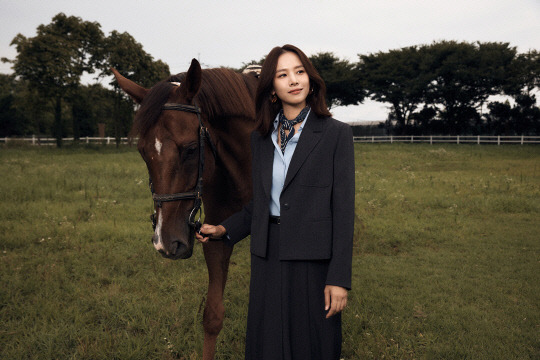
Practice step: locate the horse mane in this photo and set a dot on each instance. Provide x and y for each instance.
(223, 93)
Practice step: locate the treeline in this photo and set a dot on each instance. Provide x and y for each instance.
(449, 88)
(45, 96)
(442, 88)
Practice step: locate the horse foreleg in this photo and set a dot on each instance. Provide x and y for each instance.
(217, 256)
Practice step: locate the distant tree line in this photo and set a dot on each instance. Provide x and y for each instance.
(446, 87)
(443, 88)
(45, 94)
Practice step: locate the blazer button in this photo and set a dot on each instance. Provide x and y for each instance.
(286, 206)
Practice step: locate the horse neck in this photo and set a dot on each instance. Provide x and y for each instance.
(230, 187)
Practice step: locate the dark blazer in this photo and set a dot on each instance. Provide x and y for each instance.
(316, 203)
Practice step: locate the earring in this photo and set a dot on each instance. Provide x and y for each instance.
(311, 91)
(273, 98)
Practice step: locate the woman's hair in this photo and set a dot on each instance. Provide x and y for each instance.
(265, 110)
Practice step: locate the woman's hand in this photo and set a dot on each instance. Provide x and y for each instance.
(335, 299)
(210, 231)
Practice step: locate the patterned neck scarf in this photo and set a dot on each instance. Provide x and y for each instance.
(289, 125)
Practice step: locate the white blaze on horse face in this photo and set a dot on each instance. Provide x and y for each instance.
(158, 245)
(158, 146)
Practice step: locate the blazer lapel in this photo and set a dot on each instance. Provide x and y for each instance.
(267, 163)
(310, 136)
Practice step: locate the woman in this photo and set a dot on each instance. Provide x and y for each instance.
(300, 218)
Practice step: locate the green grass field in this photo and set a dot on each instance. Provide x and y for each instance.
(446, 259)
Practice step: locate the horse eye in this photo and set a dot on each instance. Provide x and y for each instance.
(190, 151)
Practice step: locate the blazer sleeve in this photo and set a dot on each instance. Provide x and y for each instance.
(340, 267)
(238, 225)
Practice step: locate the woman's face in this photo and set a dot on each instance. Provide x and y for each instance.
(291, 81)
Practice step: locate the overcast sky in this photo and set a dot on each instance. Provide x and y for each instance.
(229, 33)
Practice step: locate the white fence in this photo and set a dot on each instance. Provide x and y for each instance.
(459, 139)
(34, 140)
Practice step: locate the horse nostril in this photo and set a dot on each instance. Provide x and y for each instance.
(174, 247)
(180, 250)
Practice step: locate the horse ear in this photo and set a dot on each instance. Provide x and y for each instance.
(136, 92)
(190, 86)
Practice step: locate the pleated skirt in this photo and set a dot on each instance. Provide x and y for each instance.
(286, 316)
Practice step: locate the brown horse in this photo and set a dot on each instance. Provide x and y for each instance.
(171, 144)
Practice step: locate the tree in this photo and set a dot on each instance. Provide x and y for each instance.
(524, 74)
(55, 59)
(463, 76)
(12, 121)
(20, 113)
(526, 115)
(91, 105)
(397, 77)
(521, 119)
(454, 79)
(342, 80)
(423, 121)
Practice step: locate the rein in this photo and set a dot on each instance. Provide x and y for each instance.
(197, 193)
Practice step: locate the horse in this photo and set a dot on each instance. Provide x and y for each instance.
(194, 136)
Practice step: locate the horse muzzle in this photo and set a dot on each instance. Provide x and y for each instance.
(177, 249)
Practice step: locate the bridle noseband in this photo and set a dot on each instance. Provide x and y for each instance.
(197, 193)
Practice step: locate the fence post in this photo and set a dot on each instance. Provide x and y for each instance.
(33, 139)
(412, 139)
(498, 139)
(457, 140)
(391, 139)
(372, 139)
(478, 140)
(430, 139)
(108, 140)
(521, 139)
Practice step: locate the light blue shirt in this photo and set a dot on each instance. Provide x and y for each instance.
(281, 164)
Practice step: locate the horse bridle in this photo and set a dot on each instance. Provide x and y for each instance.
(197, 193)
